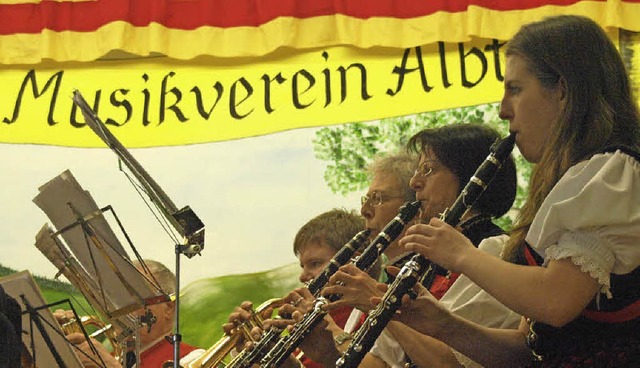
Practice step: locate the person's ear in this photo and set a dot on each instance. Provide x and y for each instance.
(169, 309)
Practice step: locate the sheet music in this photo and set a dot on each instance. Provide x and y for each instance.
(102, 257)
(21, 283)
(66, 263)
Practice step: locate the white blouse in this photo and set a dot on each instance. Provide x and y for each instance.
(466, 299)
(592, 217)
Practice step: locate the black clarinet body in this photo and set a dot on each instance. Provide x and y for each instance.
(344, 255)
(247, 358)
(419, 267)
(390, 232)
(287, 344)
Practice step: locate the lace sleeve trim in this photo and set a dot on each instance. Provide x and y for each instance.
(587, 250)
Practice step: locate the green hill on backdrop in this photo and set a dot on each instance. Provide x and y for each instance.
(206, 304)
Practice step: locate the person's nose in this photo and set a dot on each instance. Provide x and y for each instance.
(505, 112)
(416, 183)
(366, 211)
(305, 276)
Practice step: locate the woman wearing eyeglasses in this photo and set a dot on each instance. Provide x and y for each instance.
(388, 190)
(449, 156)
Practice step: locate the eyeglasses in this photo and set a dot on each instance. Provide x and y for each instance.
(375, 199)
(425, 168)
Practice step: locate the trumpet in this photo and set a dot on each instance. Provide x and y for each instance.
(108, 331)
(216, 355)
(120, 329)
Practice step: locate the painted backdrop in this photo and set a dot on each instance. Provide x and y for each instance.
(196, 89)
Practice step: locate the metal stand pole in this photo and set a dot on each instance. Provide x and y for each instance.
(177, 338)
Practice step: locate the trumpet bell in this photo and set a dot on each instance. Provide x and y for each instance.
(220, 352)
(101, 329)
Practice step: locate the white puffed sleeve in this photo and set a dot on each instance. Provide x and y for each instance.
(592, 216)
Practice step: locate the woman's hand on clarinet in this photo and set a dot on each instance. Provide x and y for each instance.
(355, 287)
(299, 299)
(297, 303)
(439, 242)
(424, 313)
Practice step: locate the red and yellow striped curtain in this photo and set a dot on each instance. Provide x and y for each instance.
(77, 30)
(188, 71)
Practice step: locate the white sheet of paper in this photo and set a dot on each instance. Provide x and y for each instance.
(100, 265)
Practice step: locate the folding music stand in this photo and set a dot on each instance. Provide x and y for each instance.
(89, 254)
(184, 221)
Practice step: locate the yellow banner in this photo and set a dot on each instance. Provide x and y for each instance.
(161, 101)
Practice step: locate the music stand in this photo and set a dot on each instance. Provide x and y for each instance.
(44, 339)
(184, 221)
(88, 252)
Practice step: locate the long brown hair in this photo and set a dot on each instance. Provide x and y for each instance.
(600, 111)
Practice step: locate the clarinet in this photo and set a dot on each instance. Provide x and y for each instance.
(286, 345)
(344, 255)
(247, 358)
(419, 267)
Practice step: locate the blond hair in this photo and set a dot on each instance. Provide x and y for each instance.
(400, 165)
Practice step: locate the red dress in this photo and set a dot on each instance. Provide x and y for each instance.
(162, 352)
